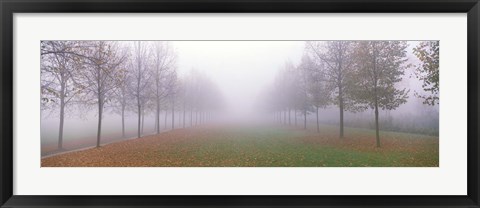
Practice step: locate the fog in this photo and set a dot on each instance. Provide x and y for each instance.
(243, 71)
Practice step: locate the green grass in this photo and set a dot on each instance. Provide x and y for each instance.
(264, 147)
(278, 147)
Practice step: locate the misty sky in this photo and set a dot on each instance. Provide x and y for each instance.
(242, 69)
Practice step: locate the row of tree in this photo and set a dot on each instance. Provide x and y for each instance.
(122, 76)
(353, 75)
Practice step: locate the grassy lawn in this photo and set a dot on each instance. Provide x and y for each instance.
(223, 146)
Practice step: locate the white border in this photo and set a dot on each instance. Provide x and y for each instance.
(448, 179)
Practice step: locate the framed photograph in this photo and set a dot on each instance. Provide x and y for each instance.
(267, 103)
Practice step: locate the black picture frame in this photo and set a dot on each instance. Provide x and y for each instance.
(9, 7)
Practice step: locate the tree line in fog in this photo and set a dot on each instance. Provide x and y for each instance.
(353, 76)
(123, 76)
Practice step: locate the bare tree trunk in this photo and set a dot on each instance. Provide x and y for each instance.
(158, 117)
(305, 118)
(123, 121)
(100, 114)
(340, 98)
(143, 119)
(139, 107)
(289, 122)
(377, 133)
(295, 112)
(157, 100)
(318, 127)
(196, 117)
(180, 119)
(155, 124)
(281, 117)
(165, 122)
(191, 117)
(183, 114)
(173, 113)
(62, 116)
(305, 110)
